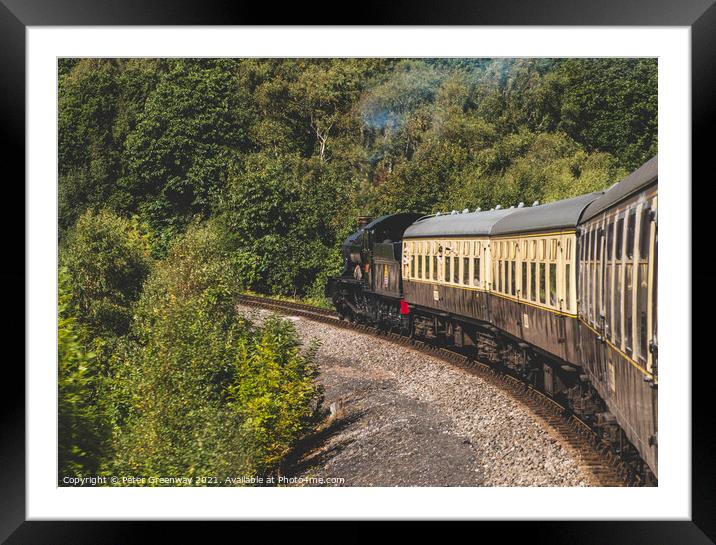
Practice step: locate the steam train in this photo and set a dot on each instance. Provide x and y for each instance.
(563, 295)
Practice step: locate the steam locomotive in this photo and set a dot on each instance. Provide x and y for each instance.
(563, 295)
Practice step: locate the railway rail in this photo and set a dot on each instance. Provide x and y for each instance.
(594, 456)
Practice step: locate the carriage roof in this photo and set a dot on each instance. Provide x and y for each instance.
(642, 177)
(564, 214)
(456, 225)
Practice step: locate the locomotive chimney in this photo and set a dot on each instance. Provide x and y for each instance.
(363, 221)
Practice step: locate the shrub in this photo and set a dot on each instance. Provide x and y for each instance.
(199, 390)
(107, 258)
(82, 432)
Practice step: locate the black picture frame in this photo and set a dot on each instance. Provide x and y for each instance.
(16, 15)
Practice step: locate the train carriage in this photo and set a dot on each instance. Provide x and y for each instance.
(618, 290)
(448, 263)
(534, 297)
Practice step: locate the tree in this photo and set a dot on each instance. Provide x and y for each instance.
(107, 259)
(277, 216)
(88, 153)
(609, 105)
(193, 127)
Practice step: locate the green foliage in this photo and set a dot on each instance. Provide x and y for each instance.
(106, 257)
(248, 174)
(609, 105)
(99, 103)
(82, 431)
(273, 390)
(199, 391)
(178, 154)
(306, 145)
(276, 217)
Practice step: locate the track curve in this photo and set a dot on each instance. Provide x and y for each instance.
(573, 434)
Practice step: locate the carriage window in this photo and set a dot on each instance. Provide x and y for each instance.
(542, 249)
(568, 285)
(420, 266)
(553, 284)
(447, 269)
(505, 276)
(610, 229)
(644, 233)
(631, 226)
(495, 268)
(502, 286)
(568, 252)
(618, 304)
(476, 271)
(466, 270)
(412, 266)
(542, 280)
(435, 267)
(523, 287)
(533, 249)
(619, 238)
(553, 249)
(456, 270)
(533, 281)
(512, 278)
(628, 311)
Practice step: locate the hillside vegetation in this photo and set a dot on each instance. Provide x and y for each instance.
(185, 181)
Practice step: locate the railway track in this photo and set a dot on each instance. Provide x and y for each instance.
(593, 455)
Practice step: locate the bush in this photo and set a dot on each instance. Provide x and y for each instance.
(199, 391)
(107, 258)
(273, 390)
(82, 432)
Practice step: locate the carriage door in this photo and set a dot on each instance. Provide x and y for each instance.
(602, 294)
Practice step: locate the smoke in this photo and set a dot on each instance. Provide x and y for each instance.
(382, 119)
(386, 106)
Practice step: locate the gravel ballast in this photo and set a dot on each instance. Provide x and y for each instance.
(403, 418)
